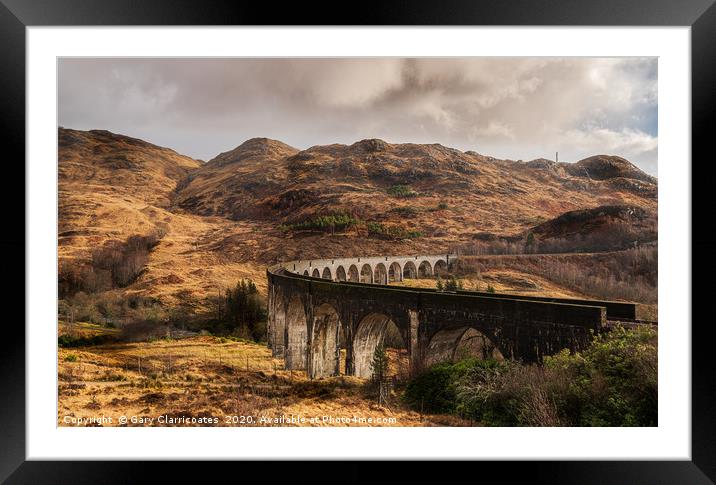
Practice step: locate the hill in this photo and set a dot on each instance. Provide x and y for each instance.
(178, 231)
(114, 189)
(601, 228)
(438, 191)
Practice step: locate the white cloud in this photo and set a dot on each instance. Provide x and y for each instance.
(520, 108)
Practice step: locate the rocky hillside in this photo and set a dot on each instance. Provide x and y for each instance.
(112, 188)
(99, 160)
(265, 201)
(436, 190)
(581, 223)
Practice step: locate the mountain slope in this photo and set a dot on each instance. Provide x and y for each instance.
(107, 161)
(266, 180)
(112, 187)
(228, 218)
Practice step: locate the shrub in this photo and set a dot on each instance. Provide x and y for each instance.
(453, 284)
(613, 382)
(70, 358)
(615, 379)
(70, 342)
(402, 191)
(391, 232)
(435, 389)
(405, 211)
(325, 223)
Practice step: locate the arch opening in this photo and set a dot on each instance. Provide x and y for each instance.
(373, 330)
(440, 268)
(316, 273)
(327, 273)
(366, 274)
(461, 343)
(326, 342)
(409, 270)
(425, 270)
(380, 276)
(395, 273)
(341, 274)
(297, 335)
(353, 274)
(305, 273)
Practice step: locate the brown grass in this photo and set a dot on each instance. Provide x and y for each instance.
(210, 377)
(503, 281)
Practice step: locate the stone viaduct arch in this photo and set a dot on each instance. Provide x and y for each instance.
(312, 318)
(380, 274)
(370, 332)
(409, 270)
(366, 274)
(353, 274)
(455, 344)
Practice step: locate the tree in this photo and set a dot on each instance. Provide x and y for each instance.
(244, 309)
(439, 284)
(530, 239)
(379, 366)
(453, 284)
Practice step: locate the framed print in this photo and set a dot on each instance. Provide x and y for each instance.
(431, 234)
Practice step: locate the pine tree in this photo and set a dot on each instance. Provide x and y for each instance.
(453, 284)
(244, 308)
(379, 366)
(530, 243)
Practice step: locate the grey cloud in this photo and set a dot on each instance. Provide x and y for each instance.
(519, 108)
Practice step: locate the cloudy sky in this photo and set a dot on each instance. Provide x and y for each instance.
(518, 108)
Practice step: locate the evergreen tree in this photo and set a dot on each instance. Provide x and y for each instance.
(453, 284)
(379, 364)
(530, 242)
(244, 308)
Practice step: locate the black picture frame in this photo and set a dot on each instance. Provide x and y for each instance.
(700, 15)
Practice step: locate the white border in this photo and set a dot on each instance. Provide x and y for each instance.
(671, 440)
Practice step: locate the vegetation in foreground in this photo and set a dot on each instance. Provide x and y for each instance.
(611, 383)
(213, 381)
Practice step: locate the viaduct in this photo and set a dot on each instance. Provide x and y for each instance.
(318, 307)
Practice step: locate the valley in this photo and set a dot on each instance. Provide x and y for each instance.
(151, 243)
